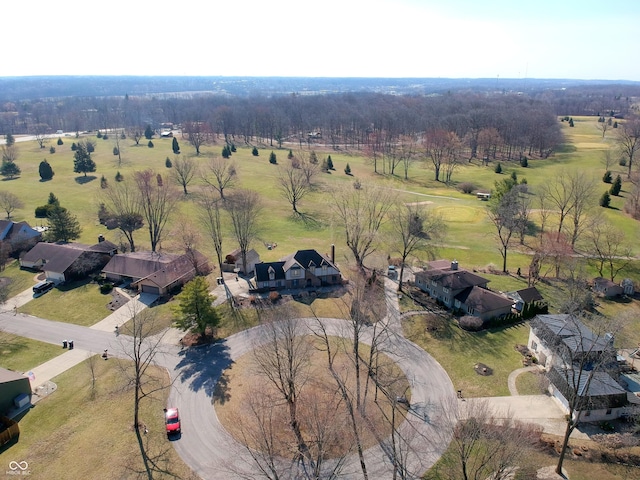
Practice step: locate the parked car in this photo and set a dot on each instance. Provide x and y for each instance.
(42, 288)
(391, 271)
(172, 420)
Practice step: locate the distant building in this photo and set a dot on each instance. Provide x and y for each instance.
(607, 288)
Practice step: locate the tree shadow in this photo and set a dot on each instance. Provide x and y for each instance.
(85, 179)
(43, 180)
(8, 179)
(202, 369)
(309, 221)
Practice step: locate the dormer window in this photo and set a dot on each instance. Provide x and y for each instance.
(272, 273)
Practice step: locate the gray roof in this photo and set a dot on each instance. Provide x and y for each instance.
(453, 279)
(138, 265)
(483, 300)
(573, 333)
(10, 376)
(601, 384)
(262, 271)
(58, 257)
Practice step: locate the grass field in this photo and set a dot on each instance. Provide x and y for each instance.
(21, 354)
(79, 432)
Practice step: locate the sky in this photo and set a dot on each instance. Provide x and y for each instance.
(574, 39)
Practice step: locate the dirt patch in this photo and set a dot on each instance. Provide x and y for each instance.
(191, 339)
(482, 369)
(117, 300)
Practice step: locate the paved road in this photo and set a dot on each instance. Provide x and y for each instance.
(205, 445)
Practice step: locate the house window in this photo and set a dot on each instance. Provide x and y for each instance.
(608, 411)
(434, 283)
(445, 290)
(272, 273)
(457, 304)
(295, 272)
(446, 300)
(470, 310)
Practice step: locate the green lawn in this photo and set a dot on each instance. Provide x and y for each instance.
(74, 302)
(458, 351)
(21, 354)
(18, 279)
(78, 432)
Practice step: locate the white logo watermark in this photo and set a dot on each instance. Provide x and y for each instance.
(18, 468)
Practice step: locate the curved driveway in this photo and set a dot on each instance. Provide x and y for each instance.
(206, 446)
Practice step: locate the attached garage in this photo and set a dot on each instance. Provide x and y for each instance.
(150, 289)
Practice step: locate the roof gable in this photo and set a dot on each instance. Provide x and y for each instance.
(482, 300)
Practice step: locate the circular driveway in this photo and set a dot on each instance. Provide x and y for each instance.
(213, 454)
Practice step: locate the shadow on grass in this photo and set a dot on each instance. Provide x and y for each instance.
(202, 369)
(8, 179)
(309, 222)
(85, 179)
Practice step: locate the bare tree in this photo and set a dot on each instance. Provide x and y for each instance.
(10, 202)
(244, 208)
(582, 190)
(603, 125)
(505, 217)
(417, 231)
(361, 213)
(9, 152)
(136, 133)
(40, 132)
(209, 209)
(632, 203)
(184, 169)
(606, 246)
(157, 202)
(582, 360)
(440, 146)
(628, 141)
(483, 445)
(220, 174)
(141, 347)
(197, 133)
(559, 196)
(607, 159)
(293, 185)
(123, 201)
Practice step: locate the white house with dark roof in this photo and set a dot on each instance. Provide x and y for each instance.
(303, 269)
(578, 362)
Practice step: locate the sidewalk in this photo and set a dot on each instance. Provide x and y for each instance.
(54, 367)
(125, 312)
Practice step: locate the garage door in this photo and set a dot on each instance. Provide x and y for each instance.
(151, 289)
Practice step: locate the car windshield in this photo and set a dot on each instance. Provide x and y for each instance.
(172, 420)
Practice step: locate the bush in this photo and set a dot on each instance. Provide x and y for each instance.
(616, 187)
(471, 323)
(290, 154)
(167, 163)
(60, 142)
(105, 137)
(255, 152)
(118, 176)
(99, 135)
(347, 169)
(606, 178)
(467, 187)
(524, 162)
(103, 182)
(274, 296)
(106, 288)
(150, 144)
(622, 162)
(52, 150)
(272, 158)
(498, 168)
(43, 211)
(74, 147)
(605, 200)
(116, 151)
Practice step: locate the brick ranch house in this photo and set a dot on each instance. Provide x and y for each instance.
(461, 290)
(155, 273)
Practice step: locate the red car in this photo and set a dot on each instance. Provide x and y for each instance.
(172, 420)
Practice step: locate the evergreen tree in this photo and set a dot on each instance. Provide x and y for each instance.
(571, 122)
(607, 177)
(52, 149)
(616, 187)
(9, 140)
(524, 162)
(148, 132)
(347, 169)
(605, 200)
(103, 182)
(82, 162)
(313, 158)
(272, 158)
(116, 151)
(167, 163)
(9, 169)
(330, 163)
(60, 142)
(63, 226)
(233, 147)
(74, 147)
(255, 152)
(53, 200)
(195, 311)
(498, 168)
(175, 146)
(290, 155)
(226, 153)
(118, 176)
(45, 170)
(150, 144)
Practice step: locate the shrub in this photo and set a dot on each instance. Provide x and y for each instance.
(274, 296)
(52, 150)
(150, 144)
(347, 169)
(357, 185)
(498, 168)
(116, 151)
(255, 152)
(622, 162)
(167, 163)
(467, 187)
(226, 153)
(99, 135)
(103, 182)
(295, 162)
(233, 147)
(74, 147)
(43, 211)
(290, 154)
(605, 200)
(616, 187)
(606, 178)
(272, 158)
(106, 288)
(524, 162)
(118, 176)
(471, 323)
(105, 137)
(60, 142)
(330, 163)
